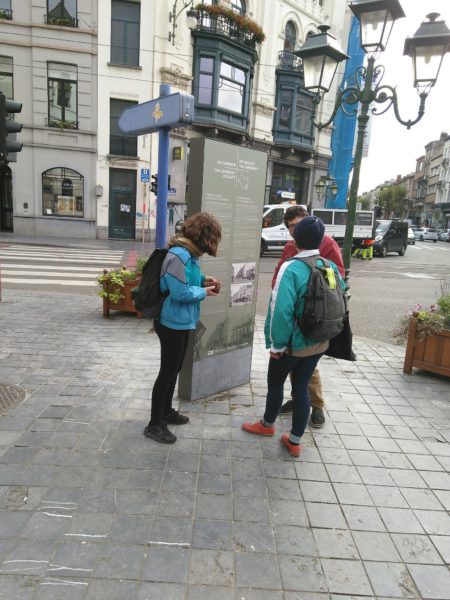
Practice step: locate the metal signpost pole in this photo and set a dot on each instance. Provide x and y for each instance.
(163, 177)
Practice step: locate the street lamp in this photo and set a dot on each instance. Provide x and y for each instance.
(321, 55)
(326, 185)
(191, 17)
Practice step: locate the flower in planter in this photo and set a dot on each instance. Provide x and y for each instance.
(431, 320)
(245, 23)
(111, 283)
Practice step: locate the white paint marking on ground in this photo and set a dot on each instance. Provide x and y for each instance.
(62, 568)
(48, 281)
(89, 535)
(63, 582)
(418, 275)
(179, 545)
(64, 259)
(63, 268)
(7, 271)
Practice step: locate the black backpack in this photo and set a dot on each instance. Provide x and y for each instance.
(148, 299)
(325, 306)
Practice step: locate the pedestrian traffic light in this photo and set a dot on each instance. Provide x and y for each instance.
(8, 129)
(154, 184)
(378, 211)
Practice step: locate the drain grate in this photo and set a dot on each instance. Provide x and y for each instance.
(10, 397)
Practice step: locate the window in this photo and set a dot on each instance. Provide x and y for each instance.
(290, 36)
(6, 76)
(62, 193)
(62, 95)
(231, 87)
(5, 9)
(286, 102)
(237, 6)
(303, 113)
(206, 74)
(119, 142)
(62, 12)
(125, 27)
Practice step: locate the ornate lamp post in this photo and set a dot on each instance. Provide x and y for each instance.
(326, 185)
(191, 17)
(321, 55)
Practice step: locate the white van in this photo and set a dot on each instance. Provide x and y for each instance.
(275, 234)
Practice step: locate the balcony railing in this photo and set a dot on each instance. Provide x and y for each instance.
(6, 13)
(61, 21)
(62, 124)
(287, 61)
(226, 27)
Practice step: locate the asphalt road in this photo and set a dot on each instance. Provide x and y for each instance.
(383, 287)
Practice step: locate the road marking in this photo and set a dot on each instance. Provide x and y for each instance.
(8, 271)
(64, 268)
(49, 281)
(64, 260)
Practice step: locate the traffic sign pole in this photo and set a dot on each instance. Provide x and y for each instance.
(163, 177)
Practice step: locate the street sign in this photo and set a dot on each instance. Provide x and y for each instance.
(288, 195)
(145, 175)
(174, 110)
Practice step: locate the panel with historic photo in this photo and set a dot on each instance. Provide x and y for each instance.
(243, 272)
(241, 294)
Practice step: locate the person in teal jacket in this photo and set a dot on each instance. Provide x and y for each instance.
(186, 285)
(290, 350)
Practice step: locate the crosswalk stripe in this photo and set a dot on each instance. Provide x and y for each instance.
(60, 255)
(64, 260)
(63, 249)
(8, 271)
(49, 281)
(13, 266)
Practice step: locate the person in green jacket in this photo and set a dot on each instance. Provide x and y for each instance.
(290, 350)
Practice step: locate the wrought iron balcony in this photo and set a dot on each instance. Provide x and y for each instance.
(287, 61)
(225, 26)
(6, 13)
(61, 21)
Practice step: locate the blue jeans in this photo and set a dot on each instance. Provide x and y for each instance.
(279, 369)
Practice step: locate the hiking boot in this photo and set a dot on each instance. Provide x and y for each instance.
(317, 417)
(160, 434)
(258, 428)
(294, 449)
(175, 418)
(286, 409)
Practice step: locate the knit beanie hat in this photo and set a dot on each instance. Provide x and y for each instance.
(308, 234)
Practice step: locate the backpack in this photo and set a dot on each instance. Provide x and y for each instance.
(148, 299)
(325, 304)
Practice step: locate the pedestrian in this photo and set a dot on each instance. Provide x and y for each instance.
(329, 250)
(186, 285)
(290, 350)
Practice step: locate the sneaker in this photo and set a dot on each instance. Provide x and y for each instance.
(317, 417)
(160, 434)
(286, 409)
(293, 449)
(175, 418)
(258, 428)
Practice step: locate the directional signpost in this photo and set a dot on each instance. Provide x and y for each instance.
(162, 114)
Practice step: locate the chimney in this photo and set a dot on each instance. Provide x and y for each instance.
(444, 136)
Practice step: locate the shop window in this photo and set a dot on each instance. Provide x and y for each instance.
(125, 31)
(6, 76)
(119, 142)
(62, 12)
(62, 95)
(62, 193)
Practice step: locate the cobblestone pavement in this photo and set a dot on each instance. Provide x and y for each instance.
(91, 509)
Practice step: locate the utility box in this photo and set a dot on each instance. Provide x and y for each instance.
(227, 181)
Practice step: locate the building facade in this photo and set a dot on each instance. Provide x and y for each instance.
(48, 61)
(81, 63)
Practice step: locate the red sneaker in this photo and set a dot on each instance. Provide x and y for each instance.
(293, 449)
(258, 428)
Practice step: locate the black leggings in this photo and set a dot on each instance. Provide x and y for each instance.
(173, 349)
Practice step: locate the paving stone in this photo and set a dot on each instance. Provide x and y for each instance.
(219, 465)
(442, 543)
(416, 549)
(434, 521)
(335, 544)
(206, 592)
(437, 481)
(400, 520)
(212, 567)
(257, 570)
(251, 486)
(130, 529)
(337, 456)
(166, 564)
(317, 491)
(101, 589)
(171, 530)
(363, 518)
(421, 498)
(253, 537)
(407, 478)
(374, 545)
(283, 489)
(432, 581)
(391, 580)
(387, 496)
(325, 515)
(302, 573)
(424, 462)
(288, 512)
(251, 594)
(364, 458)
(215, 535)
(172, 504)
(136, 502)
(213, 484)
(294, 540)
(52, 588)
(352, 493)
(257, 511)
(345, 576)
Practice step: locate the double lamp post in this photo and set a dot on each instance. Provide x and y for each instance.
(321, 55)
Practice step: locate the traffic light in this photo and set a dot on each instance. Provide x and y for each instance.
(378, 211)
(154, 184)
(8, 129)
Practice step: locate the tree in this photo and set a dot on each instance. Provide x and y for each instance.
(392, 200)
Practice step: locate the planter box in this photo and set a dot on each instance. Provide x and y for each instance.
(431, 353)
(125, 304)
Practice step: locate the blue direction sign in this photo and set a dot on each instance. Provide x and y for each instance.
(174, 110)
(145, 175)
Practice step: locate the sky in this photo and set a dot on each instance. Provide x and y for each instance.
(393, 148)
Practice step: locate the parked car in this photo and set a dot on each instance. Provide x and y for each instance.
(426, 233)
(411, 237)
(445, 235)
(390, 236)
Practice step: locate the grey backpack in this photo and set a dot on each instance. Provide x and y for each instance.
(325, 306)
